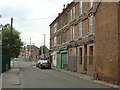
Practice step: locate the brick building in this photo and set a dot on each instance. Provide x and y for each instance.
(34, 54)
(85, 38)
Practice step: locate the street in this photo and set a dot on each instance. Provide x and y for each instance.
(28, 76)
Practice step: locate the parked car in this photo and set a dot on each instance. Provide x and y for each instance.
(37, 64)
(45, 64)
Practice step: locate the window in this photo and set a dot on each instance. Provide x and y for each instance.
(80, 29)
(91, 25)
(55, 41)
(91, 55)
(80, 50)
(65, 36)
(91, 4)
(55, 27)
(71, 14)
(81, 7)
(66, 19)
(73, 33)
(74, 12)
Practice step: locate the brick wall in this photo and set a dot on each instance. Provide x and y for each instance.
(107, 40)
(119, 41)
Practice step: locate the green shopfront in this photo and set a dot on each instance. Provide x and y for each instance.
(62, 57)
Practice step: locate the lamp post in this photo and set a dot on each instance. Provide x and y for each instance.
(44, 46)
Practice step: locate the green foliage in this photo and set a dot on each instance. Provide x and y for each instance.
(16, 43)
(40, 51)
(44, 49)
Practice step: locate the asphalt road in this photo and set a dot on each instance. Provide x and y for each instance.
(33, 77)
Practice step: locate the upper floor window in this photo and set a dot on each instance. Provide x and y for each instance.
(80, 29)
(65, 18)
(81, 7)
(55, 27)
(55, 41)
(74, 12)
(73, 33)
(91, 24)
(91, 4)
(71, 14)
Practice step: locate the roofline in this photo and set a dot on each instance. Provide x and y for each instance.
(62, 12)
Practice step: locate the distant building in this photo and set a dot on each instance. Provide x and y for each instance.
(85, 38)
(30, 51)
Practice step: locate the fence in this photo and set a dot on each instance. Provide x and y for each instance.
(4, 63)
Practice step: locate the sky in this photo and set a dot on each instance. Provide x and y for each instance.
(32, 17)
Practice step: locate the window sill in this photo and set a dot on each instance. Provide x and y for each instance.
(72, 20)
(71, 41)
(80, 16)
(90, 35)
(90, 8)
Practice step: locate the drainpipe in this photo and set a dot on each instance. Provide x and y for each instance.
(60, 59)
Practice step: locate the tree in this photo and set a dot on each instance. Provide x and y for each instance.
(43, 49)
(16, 43)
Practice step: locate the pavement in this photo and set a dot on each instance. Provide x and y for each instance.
(86, 77)
(0, 81)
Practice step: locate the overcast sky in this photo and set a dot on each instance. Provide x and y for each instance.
(32, 17)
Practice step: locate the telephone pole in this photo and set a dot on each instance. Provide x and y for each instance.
(44, 46)
(11, 42)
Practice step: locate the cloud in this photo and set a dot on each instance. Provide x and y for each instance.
(32, 17)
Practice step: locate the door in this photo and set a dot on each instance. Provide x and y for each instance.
(85, 59)
(64, 59)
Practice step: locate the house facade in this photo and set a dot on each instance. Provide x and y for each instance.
(30, 52)
(85, 38)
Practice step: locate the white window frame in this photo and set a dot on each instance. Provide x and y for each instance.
(74, 12)
(81, 7)
(80, 24)
(71, 14)
(73, 33)
(91, 24)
